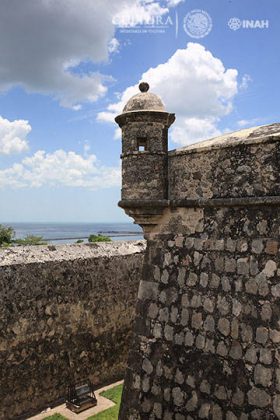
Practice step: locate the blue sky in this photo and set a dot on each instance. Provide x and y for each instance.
(62, 80)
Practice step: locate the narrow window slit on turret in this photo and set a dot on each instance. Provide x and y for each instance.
(141, 144)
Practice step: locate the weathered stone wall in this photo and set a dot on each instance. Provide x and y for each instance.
(207, 335)
(65, 316)
(144, 175)
(207, 328)
(244, 164)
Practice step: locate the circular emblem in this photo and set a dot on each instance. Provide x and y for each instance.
(234, 24)
(198, 23)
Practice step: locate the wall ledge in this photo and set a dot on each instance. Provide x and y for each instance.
(227, 202)
(45, 253)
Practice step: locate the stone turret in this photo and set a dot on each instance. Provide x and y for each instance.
(144, 123)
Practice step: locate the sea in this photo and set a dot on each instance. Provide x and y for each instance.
(67, 233)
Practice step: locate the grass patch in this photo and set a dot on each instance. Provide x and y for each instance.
(31, 240)
(113, 394)
(55, 416)
(99, 238)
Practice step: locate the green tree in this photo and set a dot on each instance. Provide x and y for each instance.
(31, 240)
(99, 238)
(6, 235)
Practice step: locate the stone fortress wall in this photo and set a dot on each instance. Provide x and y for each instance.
(65, 314)
(207, 329)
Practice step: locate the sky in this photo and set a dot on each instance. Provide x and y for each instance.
(67, 69)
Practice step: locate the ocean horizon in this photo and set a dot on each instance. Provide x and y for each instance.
(70, 232)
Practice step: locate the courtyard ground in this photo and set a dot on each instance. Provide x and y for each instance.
(108, 403)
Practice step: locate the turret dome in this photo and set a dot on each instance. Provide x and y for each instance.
(144, 101)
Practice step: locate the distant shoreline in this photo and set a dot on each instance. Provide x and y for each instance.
(62, 233)
(110, 234)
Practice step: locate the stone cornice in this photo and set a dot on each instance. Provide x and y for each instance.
(200, 202)
(133, 116)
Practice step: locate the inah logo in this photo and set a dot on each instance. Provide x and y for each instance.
(236, 23)
(197, 23)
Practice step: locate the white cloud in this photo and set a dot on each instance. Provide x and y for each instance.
(246, 79)
(193, 129)
(195, 85)
(113, 46)
(60, 168)
(250, 123)
(13, 136)
(174, 3)
(46, 39)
